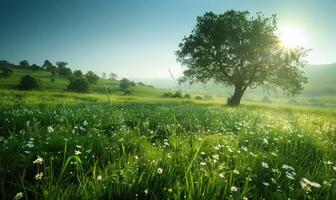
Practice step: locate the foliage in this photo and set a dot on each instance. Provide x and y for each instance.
(24, 64)
(62, 69)
(28, 82)
(113, 76)
(177, 94)
(77, 73)
(79, 84)
(92, 77)
(6, 71)
(240, 51)
(126, 85)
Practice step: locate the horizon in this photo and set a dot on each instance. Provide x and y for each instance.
(137, 40)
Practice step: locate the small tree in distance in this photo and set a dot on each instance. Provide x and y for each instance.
(79, 84)
(28, 82)
(125, 86)
(6, 71)
(77, 73)
(92, 77)
(113, 76)
(62, 69)
(241, 51)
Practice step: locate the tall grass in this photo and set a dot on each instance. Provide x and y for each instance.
(163, 150)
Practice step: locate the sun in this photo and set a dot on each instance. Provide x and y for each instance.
(291, 37)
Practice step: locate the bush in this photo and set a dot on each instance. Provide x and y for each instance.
(187, 96)
(6, 71)
(28, 82)
(52, 80)
(167, 94)
(125, 86)
(178, 94)
(79, 84)
(198, 98)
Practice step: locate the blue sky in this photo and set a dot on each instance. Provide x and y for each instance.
(137, 39)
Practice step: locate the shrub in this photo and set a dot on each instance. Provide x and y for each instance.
(79, 84)
(125, 86)
(178, 94)
(187, 96)
(6, 71)
(198, 98)
(28, 82)
(167, 94)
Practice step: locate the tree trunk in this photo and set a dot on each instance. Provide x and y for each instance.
(235, 99)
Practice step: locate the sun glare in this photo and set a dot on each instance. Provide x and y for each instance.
(291, 37)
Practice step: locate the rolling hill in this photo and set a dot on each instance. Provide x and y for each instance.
(60, 84)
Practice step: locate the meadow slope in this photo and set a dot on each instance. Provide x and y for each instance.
(165, 149)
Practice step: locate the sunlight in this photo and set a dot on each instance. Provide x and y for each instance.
(291, 37)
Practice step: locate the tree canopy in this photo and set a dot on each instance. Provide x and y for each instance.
(238, 50)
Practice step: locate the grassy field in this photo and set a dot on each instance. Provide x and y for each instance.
(60, 84)
(75, 146)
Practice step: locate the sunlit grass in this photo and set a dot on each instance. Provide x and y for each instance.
(166, 150)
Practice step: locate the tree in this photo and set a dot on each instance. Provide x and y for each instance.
(47, 64)
(78, 73)
(35, 67)
(79, 84)
(62, 69)
(5, 63)
(6, 71)
(24, 64)
(125, 85)
(241, 51)
(113, 76)
(103, 76)
(28, 82)
(92, 77)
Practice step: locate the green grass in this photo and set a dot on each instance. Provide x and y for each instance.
(60, 84)
(155, 148)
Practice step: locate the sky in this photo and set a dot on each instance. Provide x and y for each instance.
(138, 39)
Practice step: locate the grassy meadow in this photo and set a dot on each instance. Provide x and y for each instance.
(58, 145)
(60, 83)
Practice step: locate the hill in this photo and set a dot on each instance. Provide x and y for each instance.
(59, 83)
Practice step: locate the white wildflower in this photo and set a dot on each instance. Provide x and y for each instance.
(99, 178)
(234, 189)
(159, 170)
(266, 184)
(235, 171)
(287, 167)
(264, 165)
(85, 123)
(202, 163)
(39, 176)
(222, 175)
(18, 196)
(265, 141)
(50, 129)
(216, 157)
(38, 160)
(77, 152)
